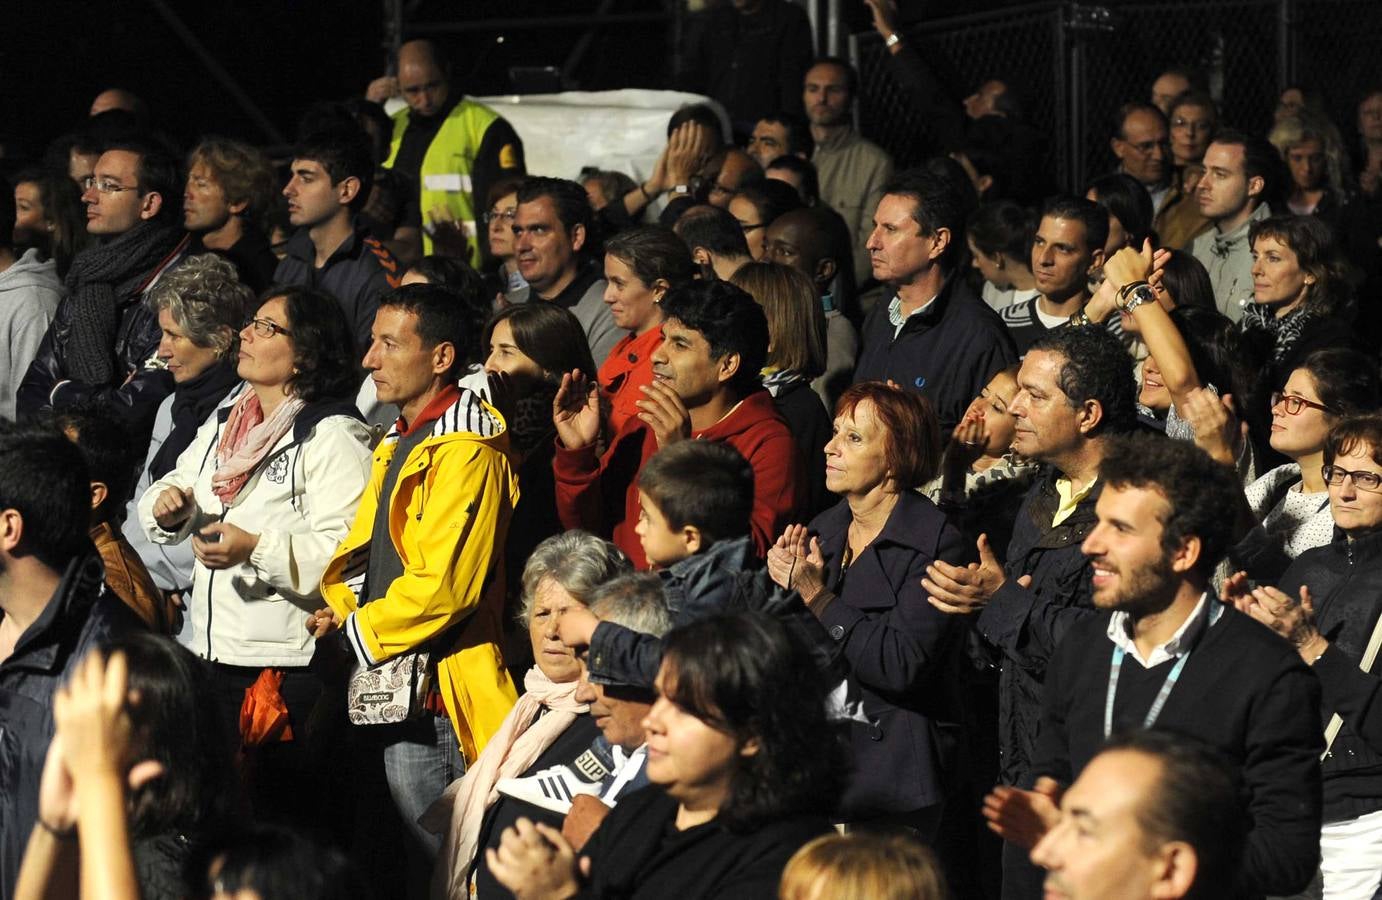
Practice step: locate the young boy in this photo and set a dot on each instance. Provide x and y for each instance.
(695, 501)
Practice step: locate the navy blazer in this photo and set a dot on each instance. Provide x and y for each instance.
(902, 652)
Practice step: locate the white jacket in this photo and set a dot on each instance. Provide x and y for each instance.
(300, 501)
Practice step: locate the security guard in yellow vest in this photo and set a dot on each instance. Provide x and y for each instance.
(452, 149)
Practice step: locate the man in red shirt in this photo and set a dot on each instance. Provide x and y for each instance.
(706, 385)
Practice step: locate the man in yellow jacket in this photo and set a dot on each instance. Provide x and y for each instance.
(421, 568)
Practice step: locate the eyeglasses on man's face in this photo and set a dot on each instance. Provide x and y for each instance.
(104, 185)
(1364, 481)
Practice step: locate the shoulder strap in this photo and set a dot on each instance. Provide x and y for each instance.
(1369, 657)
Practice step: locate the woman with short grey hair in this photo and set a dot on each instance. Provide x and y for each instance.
(546, 728)
(201, 307)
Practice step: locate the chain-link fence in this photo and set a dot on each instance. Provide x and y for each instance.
(1073, 65)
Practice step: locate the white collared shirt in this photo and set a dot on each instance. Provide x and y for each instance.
(1120, 632)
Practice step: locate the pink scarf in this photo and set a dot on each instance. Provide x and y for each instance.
(248, 438)
(520, 740)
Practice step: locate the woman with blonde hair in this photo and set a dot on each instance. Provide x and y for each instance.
(796, 355)
(862, 864)
(1313, 150)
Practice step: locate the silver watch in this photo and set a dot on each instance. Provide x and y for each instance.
(1134, 295)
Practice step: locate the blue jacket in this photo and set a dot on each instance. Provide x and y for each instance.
(1025, 624)
(726, 577)
(902, 653)
(81, 615)
(946, 353)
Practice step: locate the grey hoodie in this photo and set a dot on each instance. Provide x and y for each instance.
(29, 294)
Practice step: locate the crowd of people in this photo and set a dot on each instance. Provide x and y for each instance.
(779, 525)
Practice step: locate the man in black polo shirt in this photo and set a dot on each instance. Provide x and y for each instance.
(1163, 653)
(934, 335)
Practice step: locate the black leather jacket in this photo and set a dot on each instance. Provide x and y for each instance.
(137, 393)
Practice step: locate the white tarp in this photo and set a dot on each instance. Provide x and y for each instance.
(622, 130)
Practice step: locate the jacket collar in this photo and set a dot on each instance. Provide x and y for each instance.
(466, 414)
(908, 525)
(39, 646)
(301, 248)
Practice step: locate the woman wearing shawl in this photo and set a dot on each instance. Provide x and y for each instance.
(265, 492)
(547, 727)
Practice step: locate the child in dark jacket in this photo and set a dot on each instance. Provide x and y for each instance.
(695, 501)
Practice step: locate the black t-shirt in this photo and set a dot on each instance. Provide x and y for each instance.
(506, 811)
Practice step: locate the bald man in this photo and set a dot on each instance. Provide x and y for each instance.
(116, 98)
(815, 242)
(452, 149)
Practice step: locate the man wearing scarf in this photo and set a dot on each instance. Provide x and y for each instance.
(98, 349)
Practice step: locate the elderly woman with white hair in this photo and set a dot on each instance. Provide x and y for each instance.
(201, 306)
(546, 728)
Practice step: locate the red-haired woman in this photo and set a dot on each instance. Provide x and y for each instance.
(858, 567)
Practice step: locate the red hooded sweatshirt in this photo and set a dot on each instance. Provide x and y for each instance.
(600, 494)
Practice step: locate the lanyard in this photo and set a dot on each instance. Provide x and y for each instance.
(1214, 612)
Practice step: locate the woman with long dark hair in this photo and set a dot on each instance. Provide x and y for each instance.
(743, 768)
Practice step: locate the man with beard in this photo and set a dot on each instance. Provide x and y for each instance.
(1164, 654)
(451, 149)
(103, 334)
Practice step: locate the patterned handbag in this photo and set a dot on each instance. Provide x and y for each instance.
(391, 692)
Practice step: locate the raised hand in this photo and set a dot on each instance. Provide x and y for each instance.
(1214, 423)
(1129, 266)
(1291, 618)
(960, 590)
(576, 410)
(664, 412)
(1023, 817)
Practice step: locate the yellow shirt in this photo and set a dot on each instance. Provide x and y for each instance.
(1068, 498)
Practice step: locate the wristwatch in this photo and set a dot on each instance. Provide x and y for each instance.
(892, 40)
(1131, 296)
(681, 190)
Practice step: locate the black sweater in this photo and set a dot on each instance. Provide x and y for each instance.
(637, 852)
(1245, 692)
(1345, 581)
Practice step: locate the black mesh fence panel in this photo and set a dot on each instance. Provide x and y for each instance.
(1074, 65)
(1018, 46)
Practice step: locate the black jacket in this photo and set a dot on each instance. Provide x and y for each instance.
(947, 353)
(902, 652)
(1345, 581)
(135, 398)
(356, 274)
(638, 853)
(81, 615)
(753, 64)
(1025, 624)
(1243, 691)
(806, 417)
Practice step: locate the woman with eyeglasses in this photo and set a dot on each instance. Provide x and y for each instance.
(756, 207)
(1333, 633)
(265, 492)
(1290, 504)
(504, 279)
